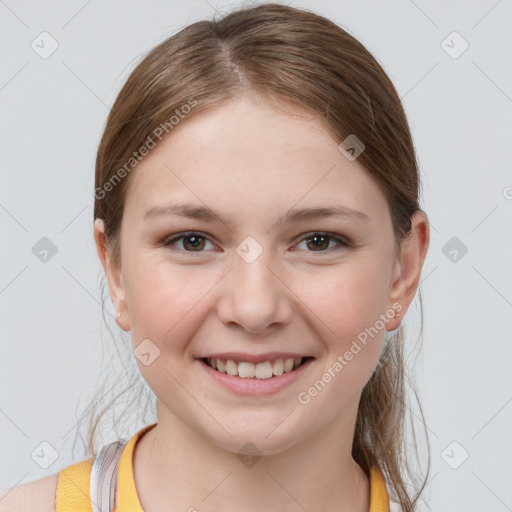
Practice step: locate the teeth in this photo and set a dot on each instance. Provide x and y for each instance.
(246, 370)
(288, 364)
(277, 367)
(263, 370)
(231, 367)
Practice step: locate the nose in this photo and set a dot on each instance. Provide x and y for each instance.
(255, 296)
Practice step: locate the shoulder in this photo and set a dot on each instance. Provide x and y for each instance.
(37, 496)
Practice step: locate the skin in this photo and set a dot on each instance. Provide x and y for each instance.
(253, 160)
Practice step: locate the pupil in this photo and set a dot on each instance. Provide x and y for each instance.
(196, 240)
(316, 238)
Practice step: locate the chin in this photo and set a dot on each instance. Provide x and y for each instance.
(262, 439)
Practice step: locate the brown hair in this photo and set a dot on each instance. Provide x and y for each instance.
(281, 52)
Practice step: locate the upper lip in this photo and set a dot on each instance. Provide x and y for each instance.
(254, 358)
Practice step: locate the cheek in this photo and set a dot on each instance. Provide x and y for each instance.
(347, 302)
(162, 301)
(164, 309)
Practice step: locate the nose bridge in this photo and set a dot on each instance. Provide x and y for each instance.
(252, 274)
(254, 296)
(256, 275)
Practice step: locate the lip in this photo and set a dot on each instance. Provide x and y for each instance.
(253, 358)
(253, 386)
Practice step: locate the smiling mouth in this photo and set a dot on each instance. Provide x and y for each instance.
(260, 371)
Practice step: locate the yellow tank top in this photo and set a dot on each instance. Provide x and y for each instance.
(73, 491)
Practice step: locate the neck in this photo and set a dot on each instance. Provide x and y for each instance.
(177, 467)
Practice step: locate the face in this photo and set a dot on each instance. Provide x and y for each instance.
(261, 280)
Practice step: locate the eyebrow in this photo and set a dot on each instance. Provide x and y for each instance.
(205, 213)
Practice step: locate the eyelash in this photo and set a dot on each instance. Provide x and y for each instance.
(169, 241)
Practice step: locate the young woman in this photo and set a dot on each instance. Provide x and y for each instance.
(257, 216)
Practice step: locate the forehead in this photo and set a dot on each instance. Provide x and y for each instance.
(254, 155)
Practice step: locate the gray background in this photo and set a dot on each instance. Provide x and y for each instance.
(52, 112)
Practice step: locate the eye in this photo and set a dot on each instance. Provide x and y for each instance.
(194, 239)
(319, 241)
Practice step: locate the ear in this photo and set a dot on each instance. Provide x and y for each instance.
(407, 270)
(113, 274)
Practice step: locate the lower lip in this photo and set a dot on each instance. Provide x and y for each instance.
(253, 386)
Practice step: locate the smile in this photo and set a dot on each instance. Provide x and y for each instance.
(261, 371)
(263, 381)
